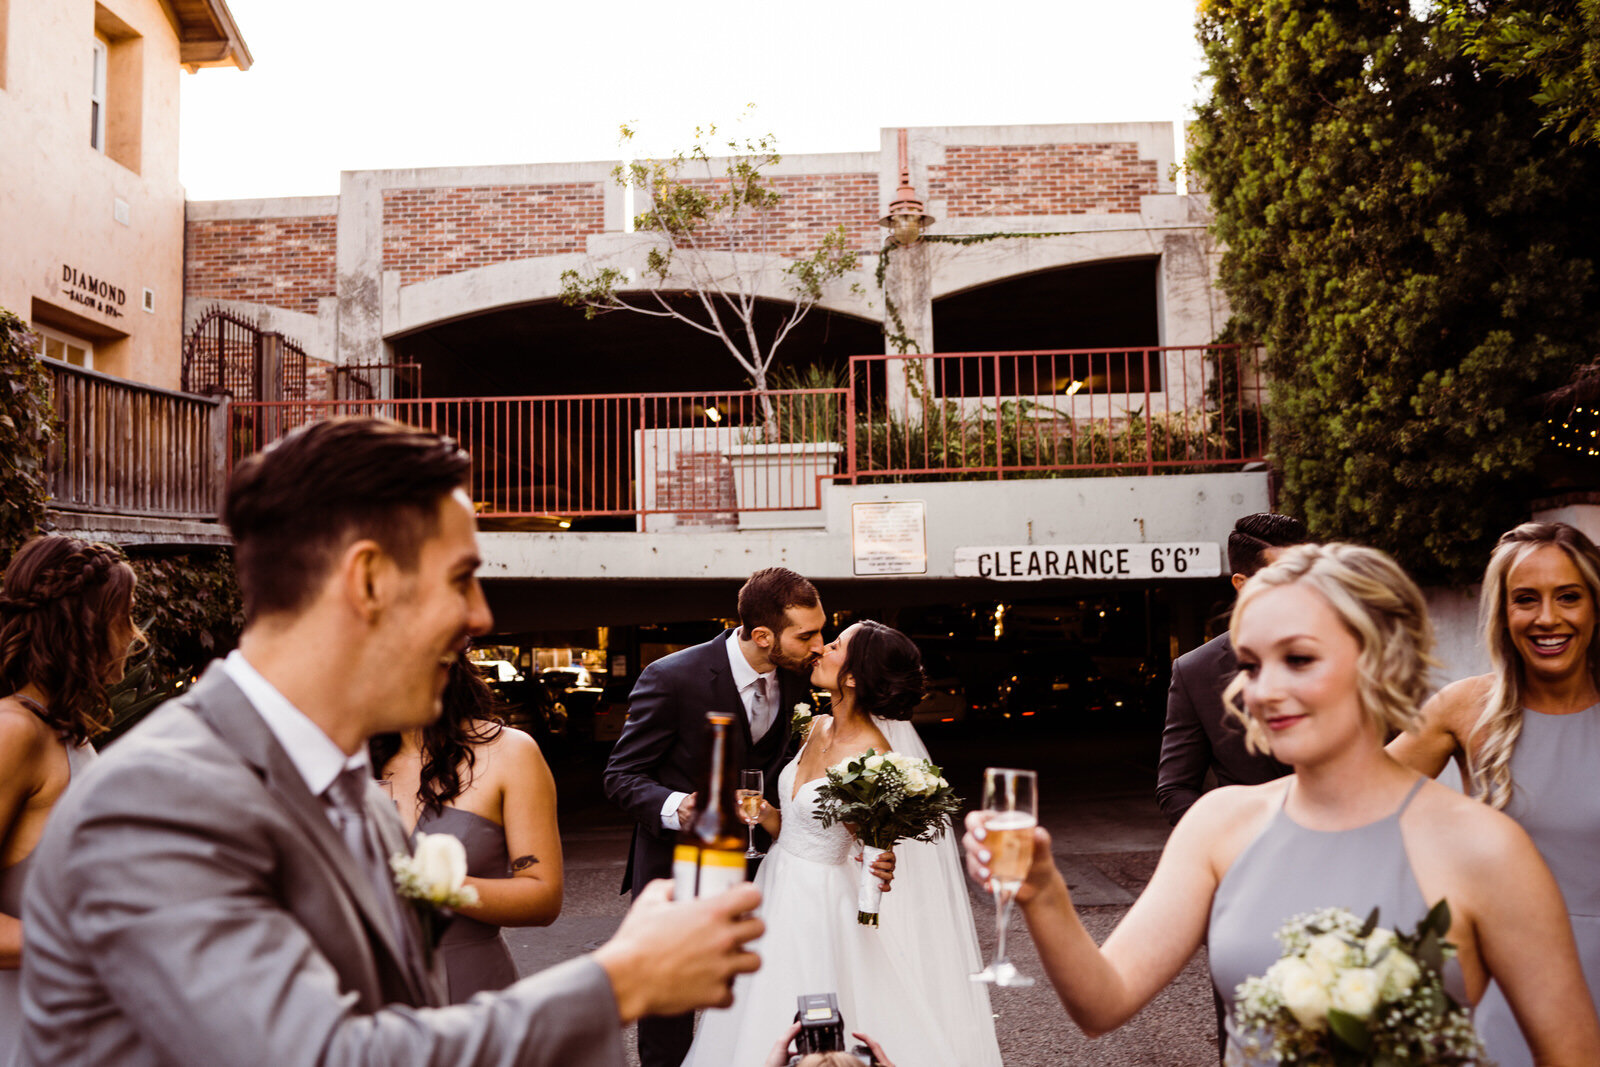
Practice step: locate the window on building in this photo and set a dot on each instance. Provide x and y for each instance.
(118, 98)
(97, 99)
(65, 347)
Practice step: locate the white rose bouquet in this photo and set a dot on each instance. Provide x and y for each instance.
(433, 878)
(1348, 993)
(885, 799)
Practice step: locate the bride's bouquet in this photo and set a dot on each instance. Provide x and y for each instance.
(885, 799)
(1348, 993)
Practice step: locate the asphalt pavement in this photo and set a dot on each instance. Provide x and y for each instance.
(1097, 801)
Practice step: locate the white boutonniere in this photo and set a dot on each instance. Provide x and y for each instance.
(801, 719)
(433, 878)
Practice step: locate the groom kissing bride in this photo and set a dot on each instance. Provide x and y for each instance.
(905, 983)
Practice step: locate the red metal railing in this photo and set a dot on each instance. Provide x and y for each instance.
(1000, 414)
(726, 458)
(691, 458)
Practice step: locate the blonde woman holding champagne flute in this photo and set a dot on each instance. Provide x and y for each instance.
(1333, 643)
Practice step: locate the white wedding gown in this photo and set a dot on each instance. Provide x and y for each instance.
(904, 983)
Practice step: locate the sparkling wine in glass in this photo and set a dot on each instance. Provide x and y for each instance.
(1011, 811)
(751, 785)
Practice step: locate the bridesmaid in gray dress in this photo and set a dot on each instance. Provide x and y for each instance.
(1530, 730)
(66, 625)
(1333, 644)
(487, 784)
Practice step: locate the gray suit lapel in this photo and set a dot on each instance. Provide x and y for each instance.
(228, 712)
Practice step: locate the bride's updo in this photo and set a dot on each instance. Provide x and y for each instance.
(887, 670)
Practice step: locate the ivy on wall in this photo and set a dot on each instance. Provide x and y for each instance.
(27, 426)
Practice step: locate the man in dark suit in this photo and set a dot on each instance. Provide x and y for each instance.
(759, 670)
(1201, 738)
(216, 888)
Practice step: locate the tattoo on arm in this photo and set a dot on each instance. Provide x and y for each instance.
(522, 863)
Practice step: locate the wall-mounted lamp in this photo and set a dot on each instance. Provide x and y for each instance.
(906, 220)
(712, 413)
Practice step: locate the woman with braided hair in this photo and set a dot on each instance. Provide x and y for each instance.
(1529, 731)
(66, 626)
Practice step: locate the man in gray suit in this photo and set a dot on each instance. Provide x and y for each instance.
(214, 890)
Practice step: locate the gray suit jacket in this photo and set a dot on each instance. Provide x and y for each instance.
(1201, 736)
(191, 903)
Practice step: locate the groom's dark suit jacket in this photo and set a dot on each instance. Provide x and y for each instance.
(191, 903)
(1200, 734)
(663, 747)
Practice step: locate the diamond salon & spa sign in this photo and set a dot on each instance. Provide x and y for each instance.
(1035, 563)
(96, 294)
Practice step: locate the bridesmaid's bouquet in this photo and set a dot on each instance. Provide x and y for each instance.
(885, 799)
(1348, 993)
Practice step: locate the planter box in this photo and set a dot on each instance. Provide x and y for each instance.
(776, 485)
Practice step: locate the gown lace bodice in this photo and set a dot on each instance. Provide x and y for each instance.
(803, 835)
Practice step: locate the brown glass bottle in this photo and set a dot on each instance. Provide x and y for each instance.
(709, 856)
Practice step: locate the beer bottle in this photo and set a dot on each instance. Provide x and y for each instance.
(709, 856)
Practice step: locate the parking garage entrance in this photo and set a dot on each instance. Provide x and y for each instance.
(1077, 669)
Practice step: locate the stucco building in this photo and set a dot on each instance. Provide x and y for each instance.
(90, 202)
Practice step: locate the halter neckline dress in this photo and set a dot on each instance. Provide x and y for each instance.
(1290, 870)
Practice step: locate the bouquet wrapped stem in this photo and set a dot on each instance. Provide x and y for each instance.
(885, 799)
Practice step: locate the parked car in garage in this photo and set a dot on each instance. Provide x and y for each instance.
(530, 705)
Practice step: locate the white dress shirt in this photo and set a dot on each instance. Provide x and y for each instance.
(760, 719)
(312, 752)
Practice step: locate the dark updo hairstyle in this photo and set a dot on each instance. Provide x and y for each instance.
(58, 602)
(470, 716)
(887, 670)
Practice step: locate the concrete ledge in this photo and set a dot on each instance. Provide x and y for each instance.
(140, 530)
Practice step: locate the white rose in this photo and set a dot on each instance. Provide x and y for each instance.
(440, 861)
(1356, 991)
(1329, 949)
(874, 763)
(1379, 940)
(1397, 973)
(803, 708)
(917, 783)
(1302, 991)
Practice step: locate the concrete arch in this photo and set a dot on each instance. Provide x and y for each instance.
(408, 309)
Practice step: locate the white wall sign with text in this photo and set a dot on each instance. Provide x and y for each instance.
(889, 537)
(1034, 563)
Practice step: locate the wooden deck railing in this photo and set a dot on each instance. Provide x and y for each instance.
(131, 449)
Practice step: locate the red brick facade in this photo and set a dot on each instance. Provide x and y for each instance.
(432, 232)
(1042, 179)
(285, 263)
(699, 480)
(812, 205)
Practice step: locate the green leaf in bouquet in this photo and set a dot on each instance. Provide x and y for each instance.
(1430, 952)
(1349, 1030)
(1370, 925)
(1438, 920)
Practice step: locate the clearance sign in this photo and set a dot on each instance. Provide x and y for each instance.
(1035, 563)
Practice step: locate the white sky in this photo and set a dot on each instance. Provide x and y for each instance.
(361, 84)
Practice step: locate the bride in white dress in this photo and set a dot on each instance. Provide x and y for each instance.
(904, 982)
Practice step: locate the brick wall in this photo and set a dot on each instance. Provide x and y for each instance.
(432, 232)
(699, 480)
(285, 263)
(1042, 179)
(812, 205)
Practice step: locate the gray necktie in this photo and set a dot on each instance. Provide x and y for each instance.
(346, 798)
(760, 709)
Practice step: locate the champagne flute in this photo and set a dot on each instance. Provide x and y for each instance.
(1011, 811)
(751, 785)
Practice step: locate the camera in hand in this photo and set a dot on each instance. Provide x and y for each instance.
(822, 1029)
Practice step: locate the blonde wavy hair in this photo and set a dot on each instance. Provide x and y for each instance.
(1383, 610)
(1500, 723)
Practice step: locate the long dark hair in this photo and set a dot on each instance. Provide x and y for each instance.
(887, 669)
(60, 598)
(471, 716)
